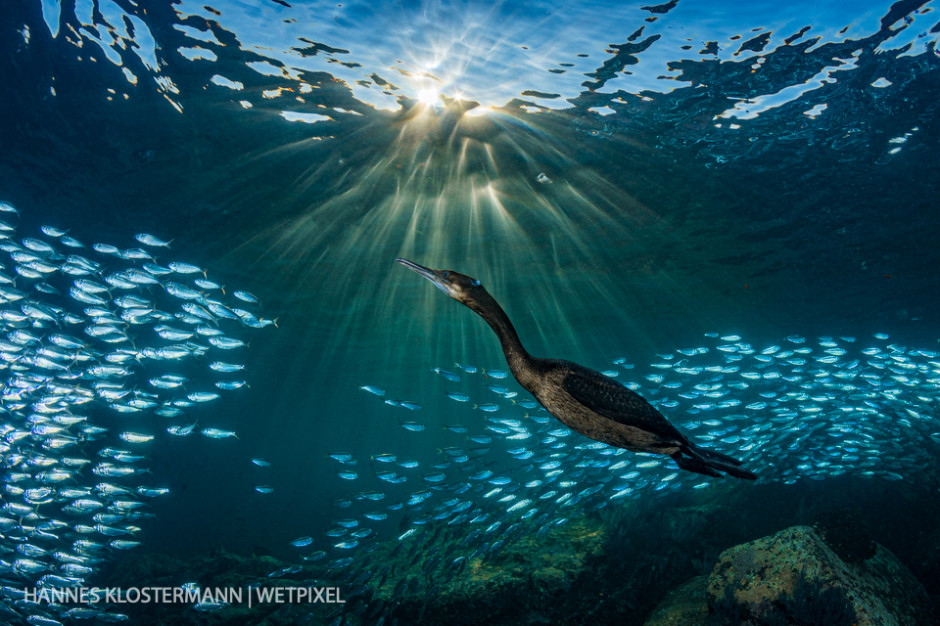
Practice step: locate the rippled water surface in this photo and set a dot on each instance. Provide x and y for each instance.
(730, 209)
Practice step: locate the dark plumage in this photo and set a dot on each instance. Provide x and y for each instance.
(581, 398)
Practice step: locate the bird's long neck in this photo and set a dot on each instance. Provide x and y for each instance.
(520, 362)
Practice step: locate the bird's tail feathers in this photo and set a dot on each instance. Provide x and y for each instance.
(705, 461)
(706, 453)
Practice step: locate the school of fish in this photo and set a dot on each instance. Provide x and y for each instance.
(103, 350)
(94, 334)
(804, 409)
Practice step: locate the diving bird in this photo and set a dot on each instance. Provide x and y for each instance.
(581, 398)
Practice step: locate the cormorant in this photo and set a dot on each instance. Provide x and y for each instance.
(581, 398)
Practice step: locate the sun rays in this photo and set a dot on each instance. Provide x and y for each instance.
(451, 190)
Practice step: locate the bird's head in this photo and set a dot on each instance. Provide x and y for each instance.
(462, 288)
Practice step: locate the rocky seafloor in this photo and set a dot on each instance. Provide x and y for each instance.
(852, 553)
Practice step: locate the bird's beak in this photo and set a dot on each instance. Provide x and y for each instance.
(427, 272)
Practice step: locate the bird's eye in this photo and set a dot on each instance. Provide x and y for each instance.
(446, 274)
(474, 282)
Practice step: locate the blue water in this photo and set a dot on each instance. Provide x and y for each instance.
(731, 210)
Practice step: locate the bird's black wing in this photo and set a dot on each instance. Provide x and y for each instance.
(614, 401)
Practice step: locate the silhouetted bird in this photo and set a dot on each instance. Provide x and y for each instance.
(581, 398)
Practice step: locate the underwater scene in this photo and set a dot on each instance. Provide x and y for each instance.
(464, 312)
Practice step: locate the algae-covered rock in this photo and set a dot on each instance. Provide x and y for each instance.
(794, 576)
(511, 587)
(683, 606)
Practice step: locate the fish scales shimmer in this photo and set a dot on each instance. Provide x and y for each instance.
(83, 327)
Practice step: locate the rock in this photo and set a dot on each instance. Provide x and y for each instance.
(528, 582)
(794, 577)
(683, 606)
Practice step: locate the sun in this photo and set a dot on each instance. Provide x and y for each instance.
(429, 96)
